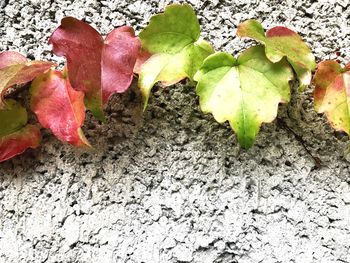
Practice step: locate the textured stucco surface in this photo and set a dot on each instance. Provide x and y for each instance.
(170, 184)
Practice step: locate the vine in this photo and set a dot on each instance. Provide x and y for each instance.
(245, 91)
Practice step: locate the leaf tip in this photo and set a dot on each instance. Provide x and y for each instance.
(145, 103)
(83, 141)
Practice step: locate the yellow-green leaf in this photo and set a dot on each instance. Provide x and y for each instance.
(176, 52)
(244, 91)
(282, 42)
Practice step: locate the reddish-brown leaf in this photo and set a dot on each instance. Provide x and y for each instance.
(97, 67)
(59, 107)
(17, 142)
(332, 93)
(15, 135)
(15, 70)
(327, 72)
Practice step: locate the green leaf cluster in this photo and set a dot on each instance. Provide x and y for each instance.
(245, 91)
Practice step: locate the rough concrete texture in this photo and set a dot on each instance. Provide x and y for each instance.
(170, 184)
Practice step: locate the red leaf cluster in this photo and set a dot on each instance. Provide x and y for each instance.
(96, 69)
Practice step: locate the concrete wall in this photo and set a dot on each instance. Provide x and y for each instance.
(170, 184)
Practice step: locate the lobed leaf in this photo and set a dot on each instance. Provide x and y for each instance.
(172, 39)
(15, 134)
(59, 107)
(15, 70)
(96, 67)
(332, 93)
(282, 42)
(244, 91)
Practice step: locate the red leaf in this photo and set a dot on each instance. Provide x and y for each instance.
(96, 67)
(118, 60)
(15, 70)
(59, 107)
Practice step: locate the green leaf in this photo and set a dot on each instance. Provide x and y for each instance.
(244, 91)
(172, 38)
(13, 117)
(282, 42)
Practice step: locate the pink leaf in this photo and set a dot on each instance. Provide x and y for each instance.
(119, 56)
(9, 58)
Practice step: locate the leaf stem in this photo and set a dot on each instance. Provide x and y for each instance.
(283, 124)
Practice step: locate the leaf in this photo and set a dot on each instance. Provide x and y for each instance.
(177, 52)
(282, 42)
(332, 93)
(244, 91)
(59, 107)
(15, 134)
(97, 67)
(15, 70)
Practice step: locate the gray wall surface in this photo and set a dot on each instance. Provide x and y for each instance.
(171, 184)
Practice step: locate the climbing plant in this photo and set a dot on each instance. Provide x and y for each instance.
(245, 91)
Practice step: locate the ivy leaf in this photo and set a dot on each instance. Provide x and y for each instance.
(332, 93)
(15, 70)
(59, 107)
(177, 52)
(282, 42)
(15, 134)
(97, 67)
(244, 91)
